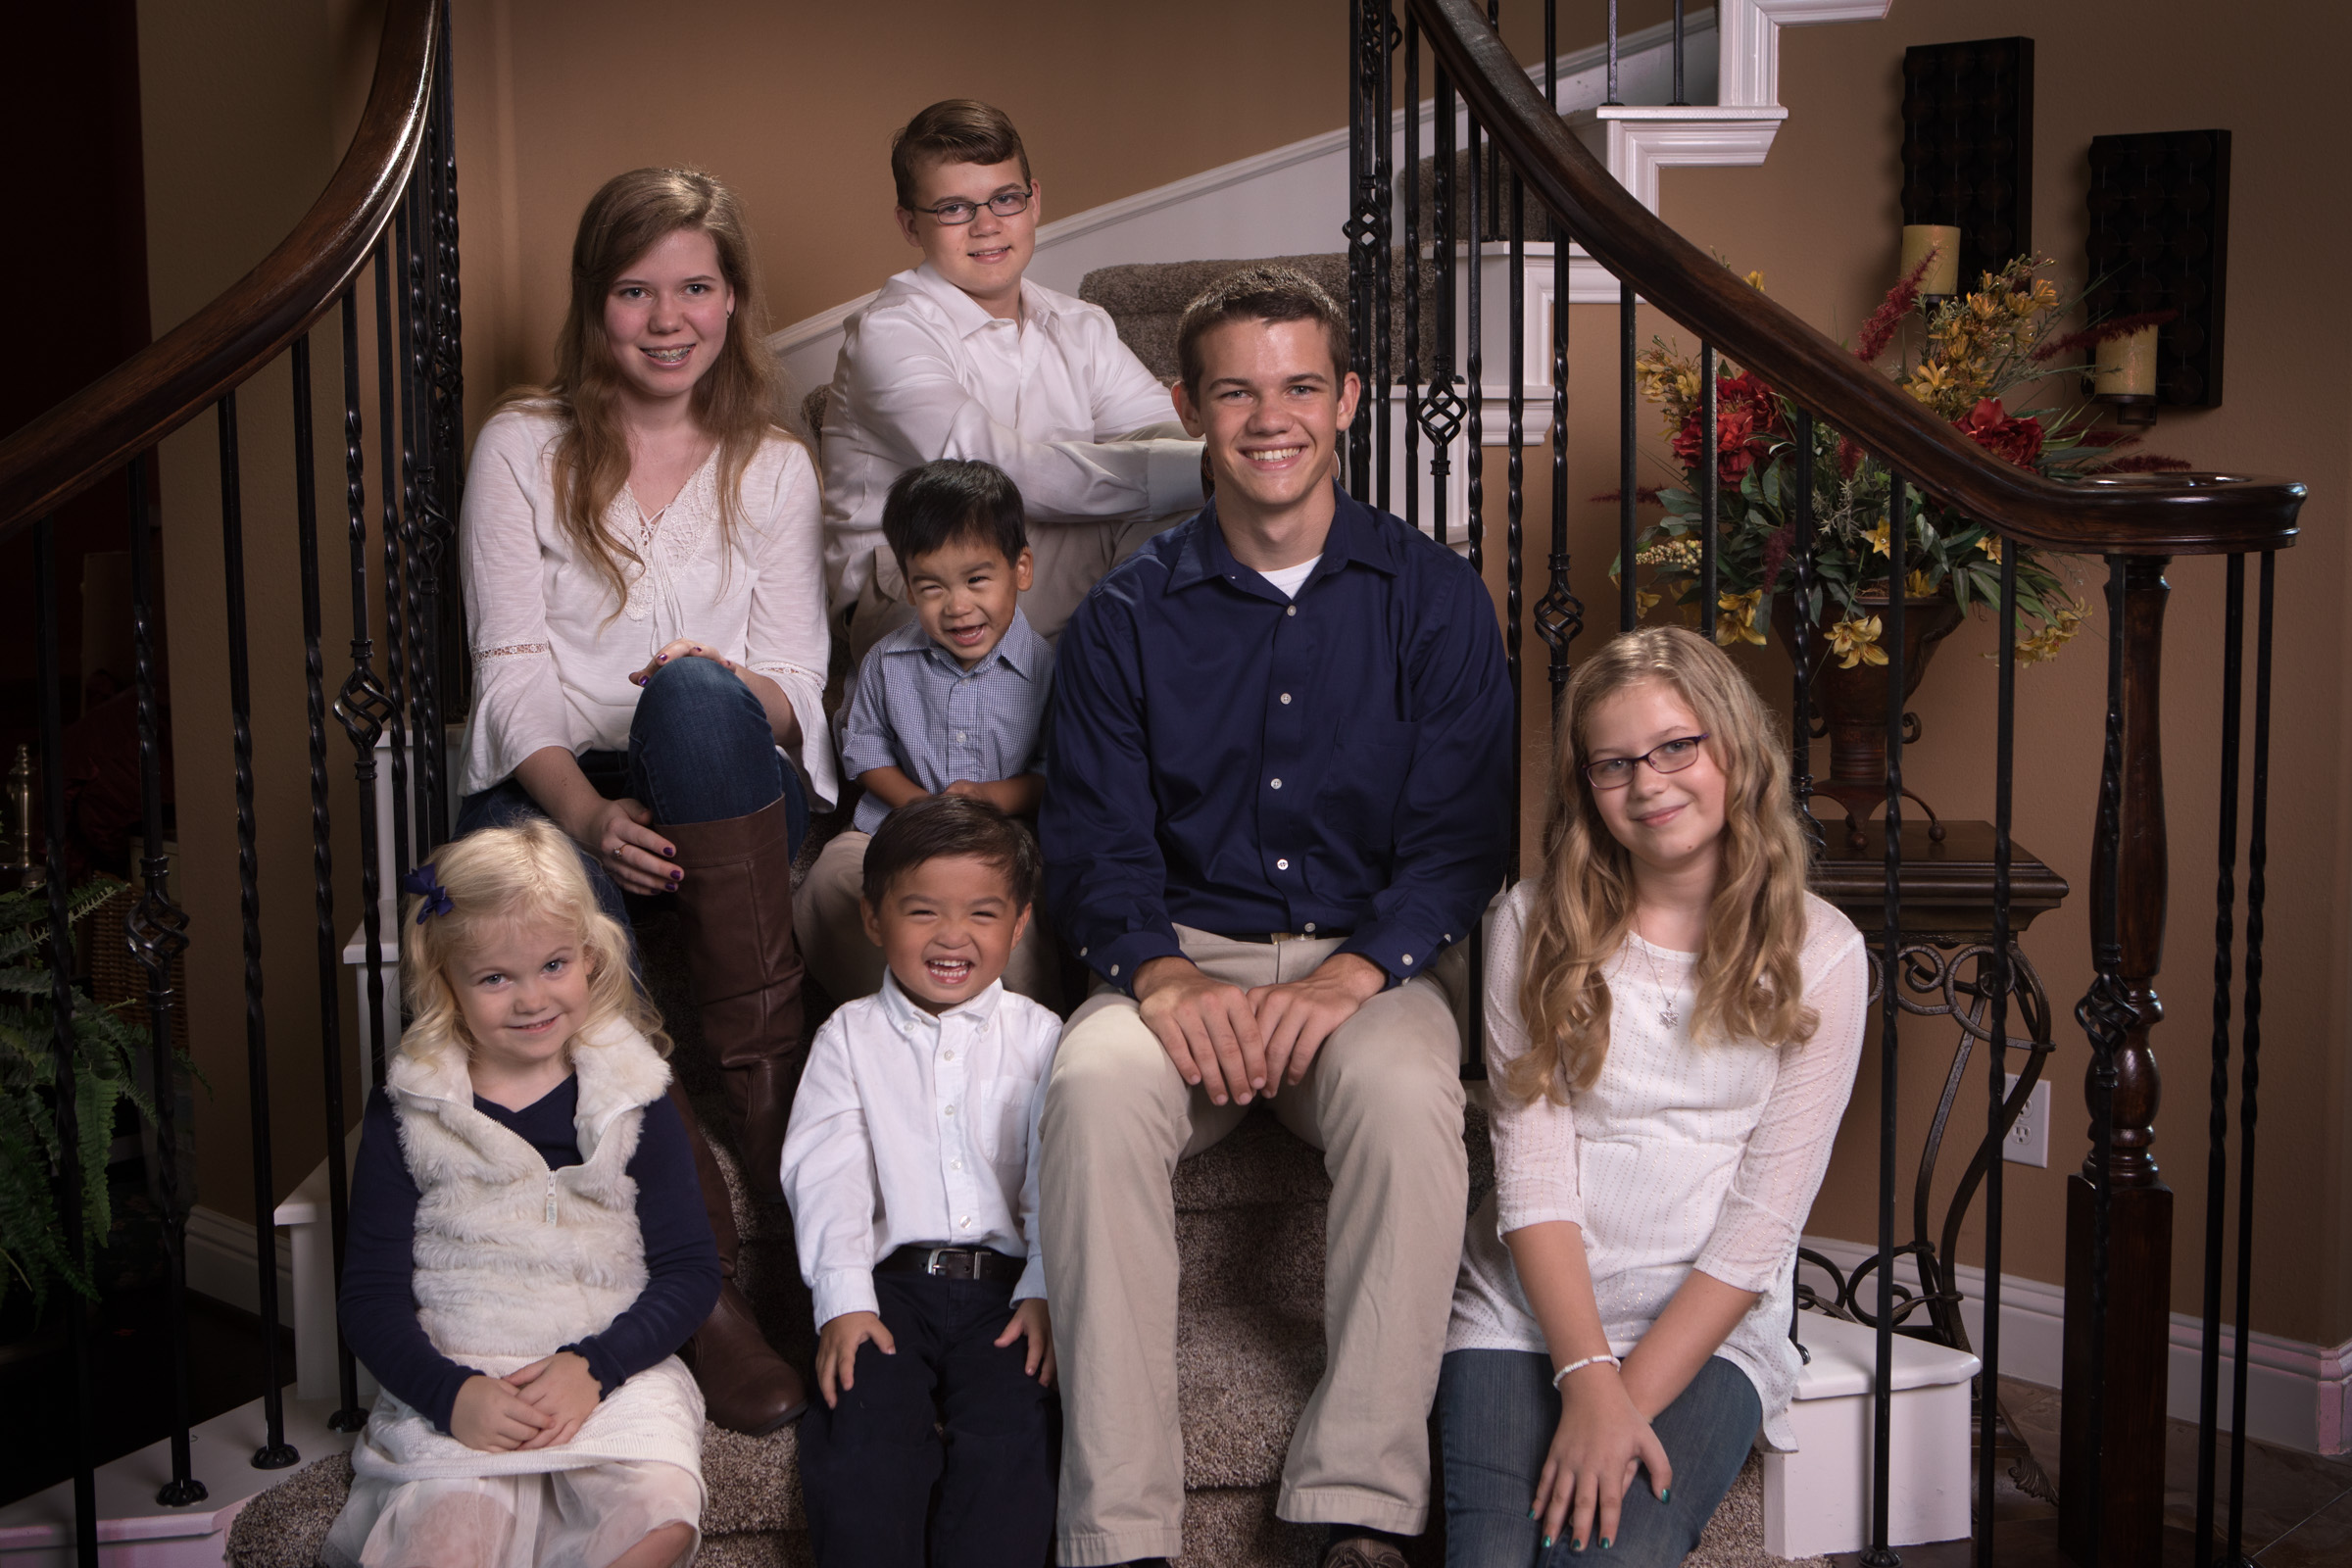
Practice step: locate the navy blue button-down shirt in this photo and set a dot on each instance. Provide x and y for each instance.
(1237, 761)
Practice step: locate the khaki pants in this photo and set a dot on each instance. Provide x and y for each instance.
(1384, 1102)
(1069, 558)
(840, 958)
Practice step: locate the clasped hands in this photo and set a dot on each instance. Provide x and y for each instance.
(838, 1340)
(538, 1406)
(1241, 1044)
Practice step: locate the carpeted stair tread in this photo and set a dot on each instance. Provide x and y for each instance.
(1243, 1375)
(1260, 1161)
(1234, 1527)
(285, 1525)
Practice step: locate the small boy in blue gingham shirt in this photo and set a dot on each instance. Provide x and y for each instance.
(953, 702)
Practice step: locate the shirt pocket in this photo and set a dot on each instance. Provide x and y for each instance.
(1003, 1128)
(1368, 765)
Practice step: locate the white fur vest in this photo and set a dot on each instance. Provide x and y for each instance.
(513, 1258)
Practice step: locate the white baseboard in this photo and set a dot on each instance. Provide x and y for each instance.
(221, 1264)
(2298, 1395)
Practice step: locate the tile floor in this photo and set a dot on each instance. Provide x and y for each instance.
(2298, 1510)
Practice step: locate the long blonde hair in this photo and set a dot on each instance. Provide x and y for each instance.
(491, 878)
(737, 400)
(1749, 982)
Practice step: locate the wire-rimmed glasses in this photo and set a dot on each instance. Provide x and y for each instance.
(1667, 757)
(1005, 204)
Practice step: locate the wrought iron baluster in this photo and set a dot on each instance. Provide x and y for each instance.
(1559, 614)
(1473, 389)
(1384, 180)
(1710, 491)
(1514, 566)
(363, 705)
(275, 1454)
(452, 672)
(1628, 535)
(1361, 223)
(157, 935)
(2217, 1126)
(71, 1202)
(1613, 99)
(1879, 1554)
(423, 522)
(1800, 645)
(1680, 96)
(1412, 271)
(347, 1416)
(2258, 855)
(2005, 770)
(1442, 410)
(394, 499)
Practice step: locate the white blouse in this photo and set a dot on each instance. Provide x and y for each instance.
(553, 660)
(1679, 1156)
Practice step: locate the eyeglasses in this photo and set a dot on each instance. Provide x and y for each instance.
(1667, 757)
(1005, 204)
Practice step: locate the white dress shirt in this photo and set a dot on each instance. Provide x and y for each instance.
(551, 656)
(925, 372)
(1679, 1156)
(911, 1129)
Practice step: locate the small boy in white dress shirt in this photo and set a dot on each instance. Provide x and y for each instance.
(910, 1166)
(953, 702)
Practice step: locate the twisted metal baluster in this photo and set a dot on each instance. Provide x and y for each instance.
(396, 690)
(2004, 769)
(2258, 857)
(363, 705)
(1474, 392)
(157, 934)
(1800, 647)
(1891, 936)
(1361, 224)
(1412, 269)
(275, 1454)
(1559, 614)
(65, 1049)
(1442, 411)
(2216, 1127)
(1710, 490)
(422, 523)
(449, 401)
(347, 1416)
(1613, 98)
(1514, 566)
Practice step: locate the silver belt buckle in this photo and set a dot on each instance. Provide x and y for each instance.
(932, 1257)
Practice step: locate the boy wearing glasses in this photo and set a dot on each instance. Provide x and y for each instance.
(964, 358)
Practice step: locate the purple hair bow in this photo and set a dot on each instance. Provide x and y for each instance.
(421, 883)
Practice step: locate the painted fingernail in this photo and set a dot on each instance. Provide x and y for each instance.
(1604, 1543)
(1667, 1496)
(1546, 1542)
(660, 658)
(671, 853)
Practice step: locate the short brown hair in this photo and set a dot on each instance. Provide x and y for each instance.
(955, 130)
(939, 827)
(1259, 294)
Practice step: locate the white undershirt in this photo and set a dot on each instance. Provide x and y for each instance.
(1290, 578)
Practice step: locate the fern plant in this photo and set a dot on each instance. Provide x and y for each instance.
(32, 1230)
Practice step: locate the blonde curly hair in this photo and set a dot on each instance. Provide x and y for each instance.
(494, 877)
(1749, 982)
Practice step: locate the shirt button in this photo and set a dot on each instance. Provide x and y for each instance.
(1408, 959)
(1286, 698)
(956, 1165)
(1291, 610)
(1282, 865)
(1309, 929)
(959, 734)
(950, 1111)
(1115, 971)
(1278, 783)
(966, 1222)
(951, 1055)
(1082, 953)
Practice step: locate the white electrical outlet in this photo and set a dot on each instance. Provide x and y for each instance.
(2029, 1136)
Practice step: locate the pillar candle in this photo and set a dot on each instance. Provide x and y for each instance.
(1943, 276)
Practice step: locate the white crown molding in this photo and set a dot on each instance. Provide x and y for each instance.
(2299, 1394)
(1750, 69)
(1638, 141)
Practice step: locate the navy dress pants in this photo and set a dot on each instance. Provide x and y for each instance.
(943, 1445)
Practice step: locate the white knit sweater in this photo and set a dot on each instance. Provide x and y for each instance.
(551, 656)
(515, 1260)
(1679, 1156)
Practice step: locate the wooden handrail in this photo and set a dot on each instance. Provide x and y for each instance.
(2156, 513)
(158, 389)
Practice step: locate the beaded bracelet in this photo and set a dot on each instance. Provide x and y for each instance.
(1578, 1367)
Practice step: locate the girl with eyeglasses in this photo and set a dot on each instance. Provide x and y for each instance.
(1673, 1025)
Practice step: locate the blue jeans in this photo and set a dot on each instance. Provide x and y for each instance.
(699, 751)
(1498, 1411)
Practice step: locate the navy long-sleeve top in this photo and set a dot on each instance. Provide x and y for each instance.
(1240, 761)
(379, 1310)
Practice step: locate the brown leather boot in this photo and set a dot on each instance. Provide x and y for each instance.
(736, 906)
(747, 1387)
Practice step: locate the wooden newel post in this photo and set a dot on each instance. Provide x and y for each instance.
(2112, 1479)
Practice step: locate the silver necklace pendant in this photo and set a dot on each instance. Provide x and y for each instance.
(1668, 1017)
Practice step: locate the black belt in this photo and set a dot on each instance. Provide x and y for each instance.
(1266, 938)
(954, 1264)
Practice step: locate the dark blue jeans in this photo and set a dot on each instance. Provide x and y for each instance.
(699, 751)
(944, 1445)
(1498, 1411)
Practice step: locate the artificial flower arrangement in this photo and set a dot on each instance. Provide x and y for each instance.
(1979, 349)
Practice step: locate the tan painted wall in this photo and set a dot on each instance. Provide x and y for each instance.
(1820, 219)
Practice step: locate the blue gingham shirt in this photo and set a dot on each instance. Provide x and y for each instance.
(917, 709)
